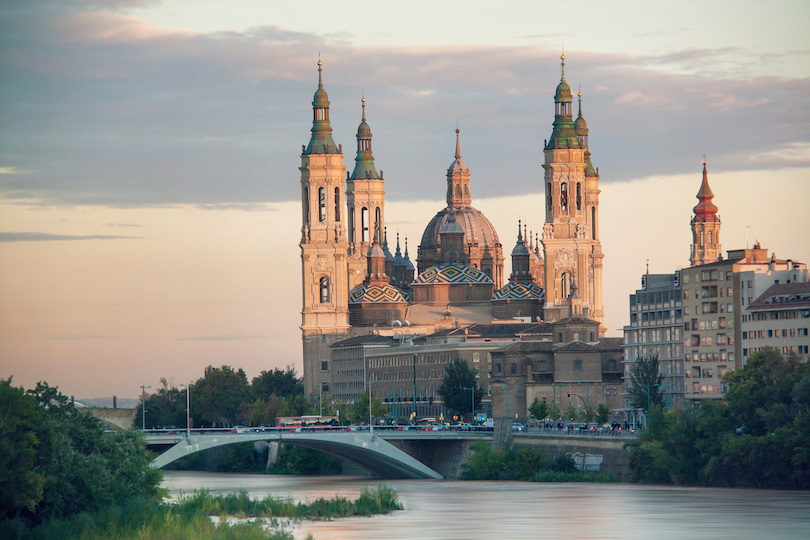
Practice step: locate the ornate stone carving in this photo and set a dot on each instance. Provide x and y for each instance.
(565, 259)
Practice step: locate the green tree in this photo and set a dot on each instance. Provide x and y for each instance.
(602, 414)
(554, 411)
(538, 410)
(458, 378)
(221, 396)
(571, 412)
(359, 411)
(78, 466)
(21, 485)
(165, 407)
(276, 383)
(645, 383)
(758, 437)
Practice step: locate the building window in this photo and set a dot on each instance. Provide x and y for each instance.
(337, 204)
(325, 367)
(579, 197)
(324, 290)
(364, 225)
(476, 357)
(306, 205)
(577, 365)
(564, 197)
(513, 369)
(541, 365)
(321, 204)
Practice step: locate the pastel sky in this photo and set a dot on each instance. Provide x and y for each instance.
(149, 189)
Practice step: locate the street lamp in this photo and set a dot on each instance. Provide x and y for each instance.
(414, 400)
(320, 399)
(188, 410)
(472, 401)
(143, 405)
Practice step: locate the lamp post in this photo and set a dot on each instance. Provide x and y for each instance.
(414, 385)
(143, 405)
(320, 398)
(472, 401)
(370, 422)
(188, 410)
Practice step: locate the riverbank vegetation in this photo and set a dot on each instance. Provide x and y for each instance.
(66, 477)
(759, 436)
(525, 464)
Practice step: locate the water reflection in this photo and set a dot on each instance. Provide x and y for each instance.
(514, 510)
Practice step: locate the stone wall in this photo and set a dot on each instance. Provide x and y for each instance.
(122, 418)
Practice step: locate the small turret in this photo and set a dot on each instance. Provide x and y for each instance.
(321, 141)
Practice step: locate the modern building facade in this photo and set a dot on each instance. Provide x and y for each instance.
(656, 329)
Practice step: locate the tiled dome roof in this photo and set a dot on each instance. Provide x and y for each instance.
(452, 273)
(520, 291)
(376, 294)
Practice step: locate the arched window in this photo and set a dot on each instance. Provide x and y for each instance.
(513, 369)
(565, 285)
(321, 204)
(324, 290)
(364, 225)
(306, 205)
(351, 225)
(337, 204)
(549, 197)
(710, 238)
(701, 238)
(564, 197)
(579, 197)
(378, 221)
(593, 222)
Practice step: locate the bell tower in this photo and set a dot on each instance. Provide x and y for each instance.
(706, 246)
(365, 197)
(324, 248)
(572, 251)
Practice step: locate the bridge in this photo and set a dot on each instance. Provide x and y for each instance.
(370, 450)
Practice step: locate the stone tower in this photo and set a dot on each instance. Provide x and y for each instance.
(324, 248)
(706, 246)
(572, 251)
(366, 205)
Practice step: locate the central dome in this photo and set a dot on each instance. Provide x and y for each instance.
(477, 228)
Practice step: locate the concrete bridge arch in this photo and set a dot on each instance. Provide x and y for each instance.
(363, 448)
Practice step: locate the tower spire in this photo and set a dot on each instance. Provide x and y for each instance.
(705, 226)
(321, 141)
(458, 179)
(458, 143)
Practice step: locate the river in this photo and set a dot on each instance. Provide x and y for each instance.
(450, 509)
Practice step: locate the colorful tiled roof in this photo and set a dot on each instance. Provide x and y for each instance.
(520, 291)
(452, 273)
(376, 294)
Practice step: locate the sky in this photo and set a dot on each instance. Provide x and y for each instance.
(149, 154)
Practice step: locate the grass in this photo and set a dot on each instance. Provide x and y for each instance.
(190, 518)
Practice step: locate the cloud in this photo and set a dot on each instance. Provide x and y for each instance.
(48, 237)
(108, 110)
(80, 337)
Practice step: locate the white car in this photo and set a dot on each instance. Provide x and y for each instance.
(517, 426)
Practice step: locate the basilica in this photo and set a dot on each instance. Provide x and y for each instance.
(367, 311)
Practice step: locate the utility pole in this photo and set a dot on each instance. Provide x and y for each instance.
(143, 405)
(414, 385)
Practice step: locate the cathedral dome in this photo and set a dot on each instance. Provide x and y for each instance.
(376, 294)
(520, 291)
(477, 228)
(452, 273)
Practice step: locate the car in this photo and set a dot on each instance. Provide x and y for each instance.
(464, 426)
(517, 426)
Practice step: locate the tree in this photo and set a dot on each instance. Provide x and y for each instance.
(538, 410)
(359, 411)
(455, 391)
(166, 407)
(21, 485)
(84, 467)
(758, 437)
(221, 396)
(276, 383)
(645, 383)
(602, 414)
